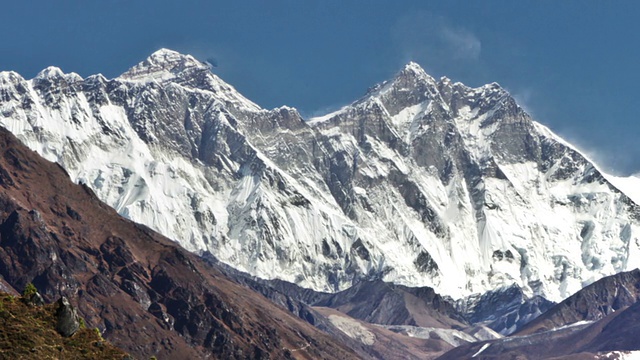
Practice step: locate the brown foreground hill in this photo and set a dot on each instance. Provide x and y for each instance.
(147, 295)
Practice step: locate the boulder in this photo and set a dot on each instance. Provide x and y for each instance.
(67, 317)
(34, 299)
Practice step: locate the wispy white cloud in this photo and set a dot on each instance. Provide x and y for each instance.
(609, 159)
(461, 43)
(322, 111)
(430, 39)
(605, 159)
(524, 98)
(204, 51)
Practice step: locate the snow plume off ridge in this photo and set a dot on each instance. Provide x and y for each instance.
(420, 182)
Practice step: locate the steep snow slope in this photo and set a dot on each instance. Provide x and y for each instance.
(420, 182)
(630, 185)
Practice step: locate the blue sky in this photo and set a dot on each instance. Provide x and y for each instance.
(574, 65)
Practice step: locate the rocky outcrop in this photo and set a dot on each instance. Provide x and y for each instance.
(67, 320)
(34, 299)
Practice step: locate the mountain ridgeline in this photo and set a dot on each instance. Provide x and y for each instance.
(421, 182)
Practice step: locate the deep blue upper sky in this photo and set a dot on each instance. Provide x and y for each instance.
(572, 64)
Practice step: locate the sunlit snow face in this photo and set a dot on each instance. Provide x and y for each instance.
(421, 182)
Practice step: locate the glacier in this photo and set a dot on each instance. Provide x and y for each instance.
(421, 182)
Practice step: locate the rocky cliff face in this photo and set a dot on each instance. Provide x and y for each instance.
(420, 182)
(146, 294)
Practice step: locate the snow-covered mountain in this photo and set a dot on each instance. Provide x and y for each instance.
(420, 182)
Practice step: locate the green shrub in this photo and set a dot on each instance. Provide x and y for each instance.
(29, 290)
(98, 333)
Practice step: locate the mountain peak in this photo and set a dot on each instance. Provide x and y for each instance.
(165, 56)
(413, 69)
(50, 72)
(494, 86)
(163, 52)
(412, 74)
(413, 66)
(164, 64)
(53, 73)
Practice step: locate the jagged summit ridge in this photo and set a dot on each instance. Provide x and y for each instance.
(163, 65)
(170, 66)
(420, 182)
